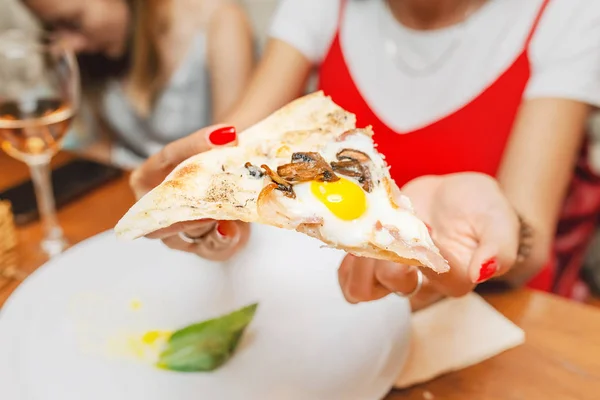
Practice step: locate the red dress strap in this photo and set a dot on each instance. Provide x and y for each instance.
(536, 22)
(343, 4)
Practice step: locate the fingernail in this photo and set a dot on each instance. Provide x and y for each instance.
(225, 230)
(487, 270)
(221, 231)
(222, 136)
(428, 227)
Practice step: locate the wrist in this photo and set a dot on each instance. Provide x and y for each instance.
(532, 253)
(526, 237)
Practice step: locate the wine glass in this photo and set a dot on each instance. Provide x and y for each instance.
(39, 96)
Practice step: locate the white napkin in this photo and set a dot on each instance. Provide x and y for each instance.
(448, 336)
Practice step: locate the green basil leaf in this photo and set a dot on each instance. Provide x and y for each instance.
(207, 345)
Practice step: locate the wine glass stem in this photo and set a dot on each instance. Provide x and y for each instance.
(53, 242)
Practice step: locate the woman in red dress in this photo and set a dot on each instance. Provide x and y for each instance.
(479, 106)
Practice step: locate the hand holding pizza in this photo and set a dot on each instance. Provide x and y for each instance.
(472, 223)
(213, 240)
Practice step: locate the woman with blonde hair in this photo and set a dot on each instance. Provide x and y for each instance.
(154, 70)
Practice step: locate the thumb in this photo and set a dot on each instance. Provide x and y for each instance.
(497, 249)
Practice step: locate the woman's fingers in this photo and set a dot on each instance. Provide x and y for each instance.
(213, 240)
(224, 241)
(498, 245)
(366, 279)
(192, 228)
(397, 277)
(344, 271)
(154, 170)
(219, 243)
(494, 255)
(357, 280)
(456, 281)
(403, 279)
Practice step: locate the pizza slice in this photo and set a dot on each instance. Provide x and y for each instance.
(306, 168)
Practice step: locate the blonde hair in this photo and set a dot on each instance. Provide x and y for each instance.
(150, 19)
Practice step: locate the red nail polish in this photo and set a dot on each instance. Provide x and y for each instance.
(222, 136)
(488, 269)
(225, 229)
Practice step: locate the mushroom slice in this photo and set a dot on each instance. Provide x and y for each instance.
(254, 171)
(307, 167)
(282, 184)
(351, 154)
(355, 169)
(350, 168)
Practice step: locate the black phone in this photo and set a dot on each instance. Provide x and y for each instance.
(69, 181)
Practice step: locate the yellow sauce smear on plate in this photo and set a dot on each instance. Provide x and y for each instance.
(148, 345)
(135, 304)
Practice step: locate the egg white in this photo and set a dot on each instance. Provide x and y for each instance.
(379, 208)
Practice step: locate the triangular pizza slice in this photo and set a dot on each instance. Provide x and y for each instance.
(307, 168)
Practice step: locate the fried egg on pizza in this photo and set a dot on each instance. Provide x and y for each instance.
(306, 168)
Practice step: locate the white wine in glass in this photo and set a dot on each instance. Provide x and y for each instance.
(39, 95)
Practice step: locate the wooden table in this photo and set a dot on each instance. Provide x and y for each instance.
(559, 361)
(96, 212)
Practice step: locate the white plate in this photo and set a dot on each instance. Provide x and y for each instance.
(62, 330)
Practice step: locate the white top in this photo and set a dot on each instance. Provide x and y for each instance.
(462, 60)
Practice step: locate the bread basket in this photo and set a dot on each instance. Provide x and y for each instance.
(8, 244)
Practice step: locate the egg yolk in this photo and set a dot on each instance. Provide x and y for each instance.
(344, 198)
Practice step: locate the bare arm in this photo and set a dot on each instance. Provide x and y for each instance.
(537, 169)
(281, 77)
(230, 57)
